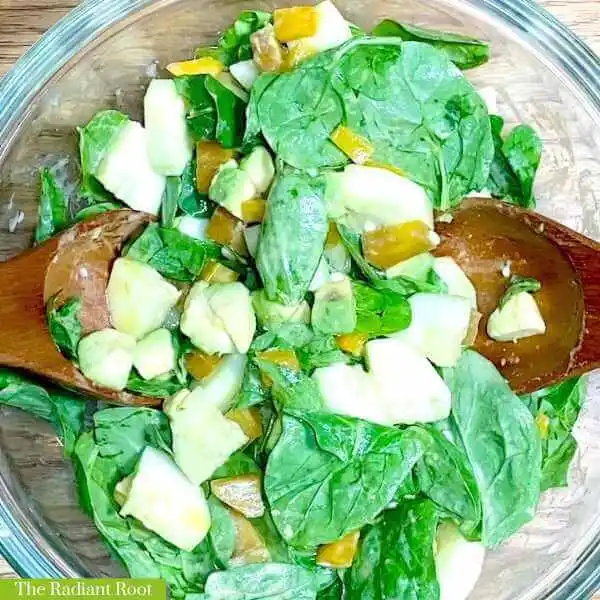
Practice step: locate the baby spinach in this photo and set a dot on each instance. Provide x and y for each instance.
(93, 210)
(62, 409)
(444, 475)
(465, 52)
(380, 311)
(293, 236)
(53, 209)
(501, 441)
(95, 140)
(321, 351)
(253, 135)
(155, 388)
(329, 475)
(231, 114)
(252, 391)
(222, 532)
(272, 581)
(515, 164)
(395, 558)
(189, 200)
(556, 410)
(169, 204)
(64, 324)
(518, 285)
(406, 98)
(287, 335)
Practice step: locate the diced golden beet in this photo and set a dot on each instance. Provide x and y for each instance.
(352, 343)
(296, 54)
(380, 165)
(207, 65)
(295, 23)
(355, 146)
(200, 365)
(543, 424)
(224, 228)
(278, 356)
(333, 236)
(250, 547)
(215, 272)
(253, 211)
(267, 51)
(340, 554)
(209, 157)
(389, 245)
(242, 492)
(473, 329)
(248, 419)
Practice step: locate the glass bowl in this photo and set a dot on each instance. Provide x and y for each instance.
(103, 54)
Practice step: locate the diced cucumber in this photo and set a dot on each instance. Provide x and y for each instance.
(231, 187)
(338, 259)
(490, 97)
(139, 298)
(321, 276)
(520, 317)
(245, 73)
(418, 267)
(122, 490)
(127, 173)
(458, 562)
(334, 309)
(270, 314)
(252, 236)
(439, 325)
(259, 166)
(219, 319)
(155, 354)
(166, 502)
(456, 281)
(106, 357)
(363, 197)
(226, 80)
(203, 439)
(169, 143)
(192, 226)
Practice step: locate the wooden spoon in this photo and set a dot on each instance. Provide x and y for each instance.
(485, 236)
(77, 263)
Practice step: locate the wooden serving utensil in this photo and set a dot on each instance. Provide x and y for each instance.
(487, 236)
(77, 263)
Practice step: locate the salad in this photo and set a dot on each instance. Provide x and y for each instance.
(326, 428)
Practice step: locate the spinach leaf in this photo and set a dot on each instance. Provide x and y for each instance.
(321, 351)
(222, 532)
(517, 285)
(308, 559)
(237, 464)
(287, 335)
(292, 236)
(253, 391)
(444, 475)
(291, 390)
(95, 140)
(465, 52)
(169, 204)
(231, 114)
(329, 475)
(63, 410)
(502, 444)
(395, 559)
(415, 107)
(253, 134)
(380, 311)
(172, 253)
(53, 209)
(154, 388)
(515, 164)
(189, 200)
(272, 581)
(64, 325)
(93, 210)
(556, 410)
(334, 592)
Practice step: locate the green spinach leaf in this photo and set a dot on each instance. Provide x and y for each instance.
(287, 335)
(93, 210)
(395, 559)
(380, 311)
(501, 442)
(53, 209)
(517, 285)
(321, 351)
(253, 391)
(154, 388)
(169, 205)
(222, 532)
(189, 200)
(231, 114)
(465, 52)
(293, 236)
(64, 325)
(329, 475)
(272, 581)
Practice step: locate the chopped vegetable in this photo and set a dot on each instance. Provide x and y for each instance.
(271, 314)
(253, 211)
(252, 237)
(259, 166)
(225, 229)
(519, 317)
(281, 357)
(418, 268)
(267, 51)
(245, 73)
(340, 554)
(250, 547)
(231, 188)
(155, 354)
(242, 492)
(210, 156)
(352, 343)
(334, 308)
(355, 146)
(249, 420)
(205, 65)
(215, 272)
(295, 23)
(454, 277)
(200, 365)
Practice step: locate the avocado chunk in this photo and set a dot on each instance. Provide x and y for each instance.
(106, 357)
(334, 309)
(219, 318)
(203, 439)
(271, 314)
(155, 354)
(259, 166)
(166, 502)
(518, 318)
(231, 187)
(139, 298)
(418, 267)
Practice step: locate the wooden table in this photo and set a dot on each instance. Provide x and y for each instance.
(22, 22)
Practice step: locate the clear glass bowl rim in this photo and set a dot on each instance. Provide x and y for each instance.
(19, 528)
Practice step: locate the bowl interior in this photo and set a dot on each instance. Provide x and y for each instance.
(113, 71)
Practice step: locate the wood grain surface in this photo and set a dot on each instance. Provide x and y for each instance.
(22, 22)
